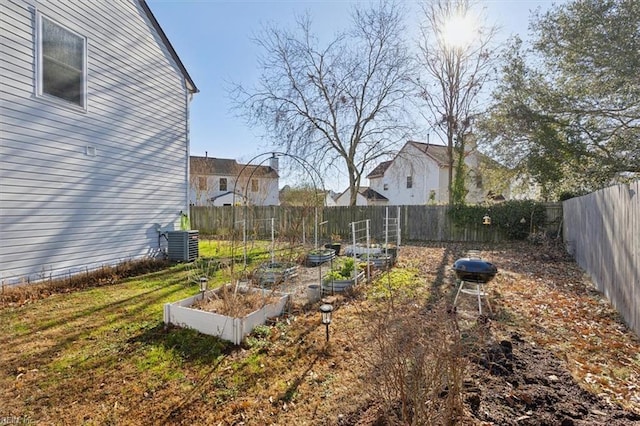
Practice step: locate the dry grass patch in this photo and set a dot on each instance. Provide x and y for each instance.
(28, 292)
(236, 302)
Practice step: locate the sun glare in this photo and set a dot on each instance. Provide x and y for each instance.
(459, 31)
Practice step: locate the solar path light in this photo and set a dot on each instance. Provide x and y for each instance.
(326, 310)
(203, 285)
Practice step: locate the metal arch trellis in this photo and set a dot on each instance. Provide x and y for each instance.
(301, 161)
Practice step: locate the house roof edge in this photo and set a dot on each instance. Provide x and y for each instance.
(190, 83)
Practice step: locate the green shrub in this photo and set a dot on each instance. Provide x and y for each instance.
(516, 219)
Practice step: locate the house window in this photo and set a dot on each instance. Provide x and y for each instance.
(409, 181)
(62, 63)
(223, 184)
(202, 183)
(385, 186)
(254, 185)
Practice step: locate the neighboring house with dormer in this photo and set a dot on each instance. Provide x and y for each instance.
(94, 136)
(225, 182)
(365, 197)
(419, 174)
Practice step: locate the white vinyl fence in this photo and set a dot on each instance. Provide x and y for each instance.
(602, 232)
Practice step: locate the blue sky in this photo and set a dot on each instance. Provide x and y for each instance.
(213, 40)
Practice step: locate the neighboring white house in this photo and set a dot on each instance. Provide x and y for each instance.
(330, 198)
(224, 182)
(419, 174)
(365, 197)
(94, 136)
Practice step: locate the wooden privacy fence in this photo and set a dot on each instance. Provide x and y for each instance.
(602, 231)
(417, 223)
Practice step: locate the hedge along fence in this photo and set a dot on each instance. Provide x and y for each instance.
(509, 220)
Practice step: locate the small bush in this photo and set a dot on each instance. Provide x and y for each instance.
(259, 338)
(417, 366)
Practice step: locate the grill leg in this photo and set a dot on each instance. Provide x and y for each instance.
(458, 293)
(480, 293)
(486, 298)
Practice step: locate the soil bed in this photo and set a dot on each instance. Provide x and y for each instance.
(307, 275)
(235, 304)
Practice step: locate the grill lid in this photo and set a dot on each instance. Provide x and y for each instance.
(471, 269)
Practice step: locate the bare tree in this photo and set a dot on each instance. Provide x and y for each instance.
(456, 63)
(341, 104)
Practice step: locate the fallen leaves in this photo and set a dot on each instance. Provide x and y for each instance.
(560, 309)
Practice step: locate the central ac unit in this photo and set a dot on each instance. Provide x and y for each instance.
(182, 245)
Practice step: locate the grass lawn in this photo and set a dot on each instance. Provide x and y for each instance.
(76, 349)
(103, 354)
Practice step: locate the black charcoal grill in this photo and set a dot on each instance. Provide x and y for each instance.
(474, 270)
(473, 274)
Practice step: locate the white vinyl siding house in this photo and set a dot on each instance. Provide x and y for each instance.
(87, 177)
(410, 177)
(224, 182)
(419, 174)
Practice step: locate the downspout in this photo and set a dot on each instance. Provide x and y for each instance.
(187, 112)
(426, 173)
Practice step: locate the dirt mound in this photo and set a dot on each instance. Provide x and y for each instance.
(516, 383)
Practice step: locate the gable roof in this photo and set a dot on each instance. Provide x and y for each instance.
(367, 193)
(437, 152)
(228, 167)
(190, 84)
(370, 194)
(379, 170)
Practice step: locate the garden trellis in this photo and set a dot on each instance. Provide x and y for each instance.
(359, 237)
(392, 228)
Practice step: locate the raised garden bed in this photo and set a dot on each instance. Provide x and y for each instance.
(342, 275)
(232, 327)
(338, 285)
(391, 251)
(378, 260)
(275, 272)
(361, 250)
(319, 256)
(335, 247)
